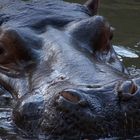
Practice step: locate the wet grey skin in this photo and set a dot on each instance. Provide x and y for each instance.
(66, 81)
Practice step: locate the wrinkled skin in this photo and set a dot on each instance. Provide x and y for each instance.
(57, 62)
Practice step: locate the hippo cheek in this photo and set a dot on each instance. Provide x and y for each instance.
(28, 113)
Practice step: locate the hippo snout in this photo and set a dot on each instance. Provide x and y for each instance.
(34, 111)
(67, 109)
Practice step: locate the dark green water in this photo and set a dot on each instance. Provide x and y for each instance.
(124, 16)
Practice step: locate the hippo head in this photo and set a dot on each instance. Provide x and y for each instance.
(57, 61)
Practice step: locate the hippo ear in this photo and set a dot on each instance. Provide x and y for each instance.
(92, 5)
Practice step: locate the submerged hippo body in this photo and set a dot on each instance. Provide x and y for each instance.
(57, 62)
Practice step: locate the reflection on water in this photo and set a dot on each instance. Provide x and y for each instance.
(124, 16)
(125, 52)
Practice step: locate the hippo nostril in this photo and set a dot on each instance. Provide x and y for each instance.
(70, 96)
(71, 100)
(133, 89)
(127, 90)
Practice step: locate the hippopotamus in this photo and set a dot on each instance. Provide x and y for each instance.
(59, 68)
